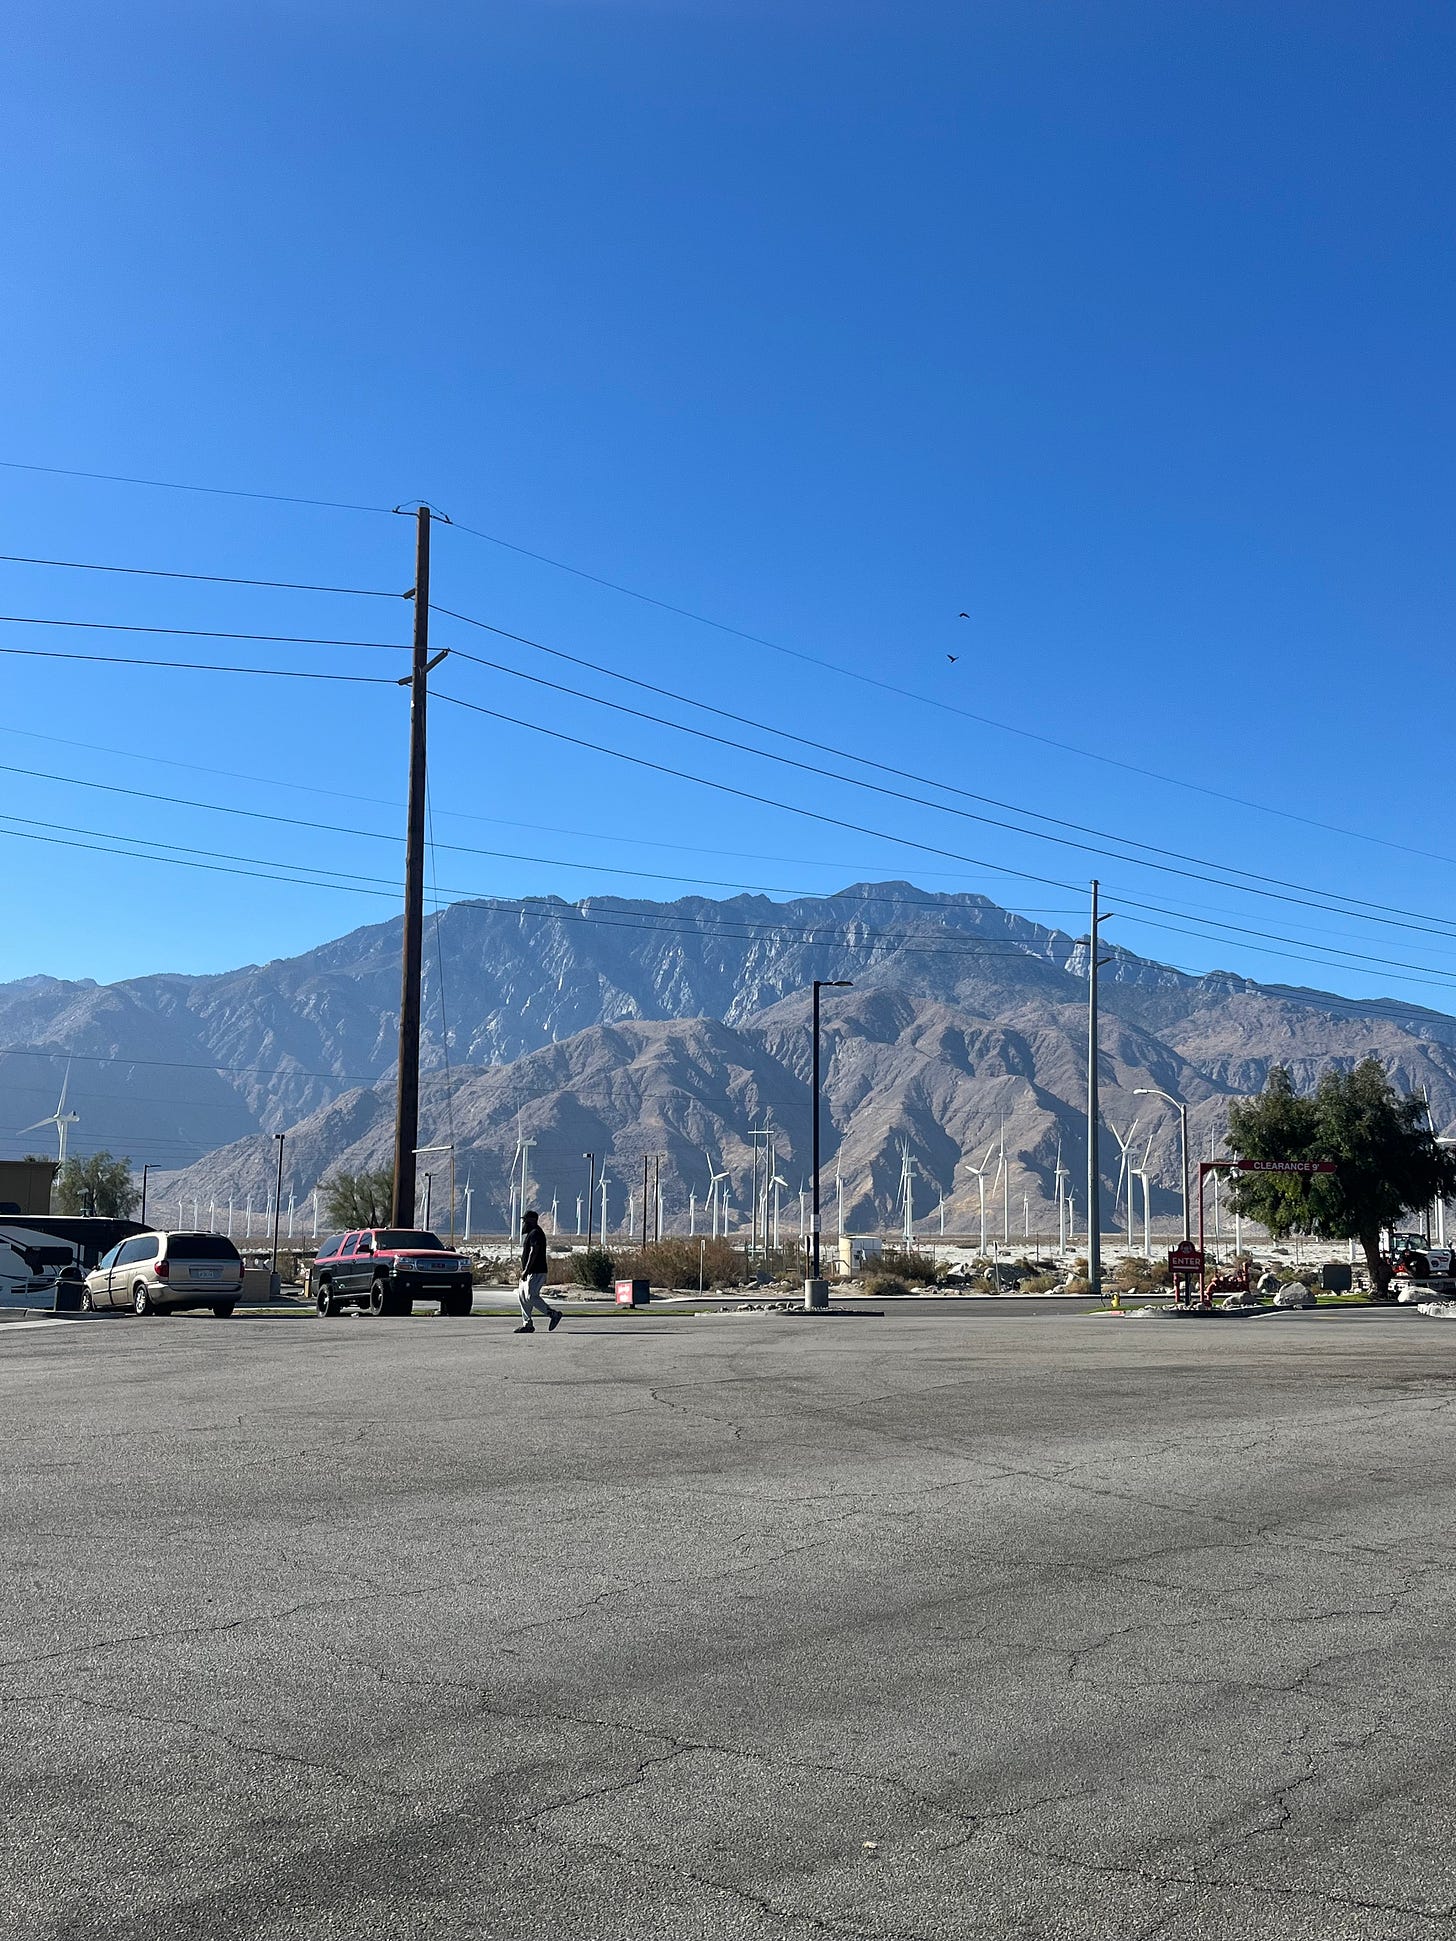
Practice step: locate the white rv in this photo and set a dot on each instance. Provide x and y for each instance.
(30, 1261)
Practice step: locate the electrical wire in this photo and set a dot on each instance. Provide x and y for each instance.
(209, 579)
(943, 706)
(910, 842)
(196, 666)
(172, 485)
(618, 869)
(200, 633)
(810, 768)
(1249, 887)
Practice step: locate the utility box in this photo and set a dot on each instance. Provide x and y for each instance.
(25, 1185)
(259, 1284)
(633, 1293)
(1337, 1277)
(856, 1250)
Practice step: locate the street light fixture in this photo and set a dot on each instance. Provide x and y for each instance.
(816, 1293)
(1157, 1092)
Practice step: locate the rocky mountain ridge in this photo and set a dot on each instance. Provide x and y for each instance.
(622, 1027)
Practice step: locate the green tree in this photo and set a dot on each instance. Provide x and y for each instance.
(1386, 1158)
(360, 1199)
(99, 1187)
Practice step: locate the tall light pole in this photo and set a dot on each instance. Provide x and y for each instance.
(145, 1170)
(1157, 1092)
(816, 1291)
(1094, 1189)
(277, 1197)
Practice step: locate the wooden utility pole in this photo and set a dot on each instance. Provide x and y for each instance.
(407, 1099)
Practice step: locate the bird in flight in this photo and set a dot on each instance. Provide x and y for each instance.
(952, 658)
(965, 616)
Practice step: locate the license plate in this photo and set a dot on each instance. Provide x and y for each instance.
(207, 1273)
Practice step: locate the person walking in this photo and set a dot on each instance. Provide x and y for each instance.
(533, 1276)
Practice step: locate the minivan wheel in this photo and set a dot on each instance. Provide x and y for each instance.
(88, 1306)
(141, 1300)
(223, 1309)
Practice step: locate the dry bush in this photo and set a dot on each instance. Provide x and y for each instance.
(886, 1287)
(906, 1264)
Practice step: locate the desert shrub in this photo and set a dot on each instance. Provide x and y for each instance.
(1040, 1284)
(673, 1262)
(886, 1287)
(906, 1264)
(1077, 1284)
(591, 1267)
(1133, 1275)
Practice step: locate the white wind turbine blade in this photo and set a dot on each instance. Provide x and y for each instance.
(38, 1124)
(65, 1085)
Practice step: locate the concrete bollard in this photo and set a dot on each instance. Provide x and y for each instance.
(816, 1295)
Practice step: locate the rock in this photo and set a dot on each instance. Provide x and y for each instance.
(1269, 1282)
(1296, 1294)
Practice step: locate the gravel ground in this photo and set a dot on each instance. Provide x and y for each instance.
(957, 1623)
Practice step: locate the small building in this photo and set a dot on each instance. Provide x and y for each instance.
(25, 1185)
(856, 1249)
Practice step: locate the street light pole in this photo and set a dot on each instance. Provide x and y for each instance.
(1157, 1092)
(816, 1293)
(145, 1170)
(277, 1198)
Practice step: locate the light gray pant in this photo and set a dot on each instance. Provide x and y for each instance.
(529, 1295)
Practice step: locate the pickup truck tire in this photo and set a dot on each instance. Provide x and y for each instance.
(457, 1306)
(384, 1300)
(323, 1300)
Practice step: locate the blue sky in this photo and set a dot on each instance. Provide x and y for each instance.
(1125, 329)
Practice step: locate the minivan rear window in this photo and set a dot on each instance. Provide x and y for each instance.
(200, 1246)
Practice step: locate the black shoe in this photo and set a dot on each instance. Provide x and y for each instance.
(526, 1327)
(555, 1320)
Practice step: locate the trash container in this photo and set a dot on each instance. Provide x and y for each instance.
(1336, 1277)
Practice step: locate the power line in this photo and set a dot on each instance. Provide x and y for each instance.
(195, 666)
(911, 842)
(885, 768)
(615, 869)
(199, 633)
(943, 706)
(210, 579)
(1396, 921)
(173, 485)
(850, 870)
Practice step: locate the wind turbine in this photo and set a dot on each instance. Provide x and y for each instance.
(468, 1195)
(1061, 1179)
(715, 1198)
(980, 1178)
(1124, 1142)
(1141, 1172)
(61, 1119)
(907, 1192)
(776, 1183)
(1003, 1173)
(602, 1188)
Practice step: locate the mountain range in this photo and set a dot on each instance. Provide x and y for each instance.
(625, 1028)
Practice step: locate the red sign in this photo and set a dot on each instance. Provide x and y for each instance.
(1185, 1258)
(1283, 1166)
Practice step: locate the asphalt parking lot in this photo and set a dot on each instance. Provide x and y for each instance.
(965, 1623)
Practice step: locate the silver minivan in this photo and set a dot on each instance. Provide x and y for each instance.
(161, 1273)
